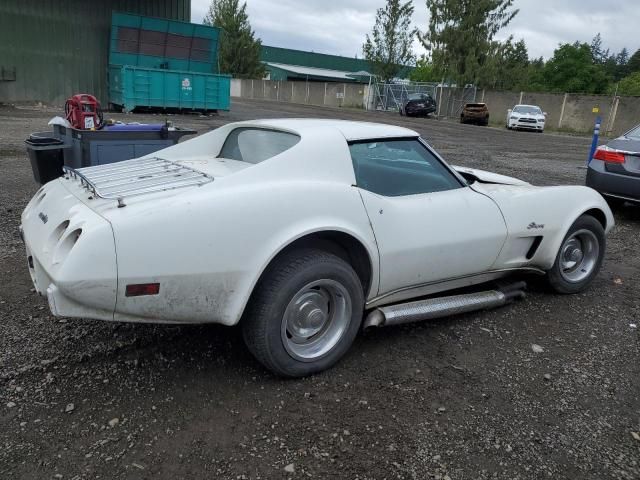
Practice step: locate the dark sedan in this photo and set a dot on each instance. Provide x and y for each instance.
(614, 170)
(418, 105)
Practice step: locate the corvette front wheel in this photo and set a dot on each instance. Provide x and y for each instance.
(305, 313)
(580, 256)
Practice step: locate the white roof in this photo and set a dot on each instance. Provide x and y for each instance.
(312, 71)
(350, 129)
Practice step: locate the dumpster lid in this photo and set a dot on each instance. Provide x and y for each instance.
(43, 139)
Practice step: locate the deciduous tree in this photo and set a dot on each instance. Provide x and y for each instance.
(239, 50)
(630, 85)
(390, 45)
(506, 66)
(424, 71)
(571, 69)
(633, 65)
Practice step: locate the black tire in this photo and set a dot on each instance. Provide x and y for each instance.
(557, 276)
(263, 325)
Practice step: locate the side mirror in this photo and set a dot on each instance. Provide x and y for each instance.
(509, 111)
(545, 114)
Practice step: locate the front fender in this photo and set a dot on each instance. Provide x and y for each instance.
(548, 212)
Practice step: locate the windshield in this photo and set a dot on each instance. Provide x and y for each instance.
(635, 133)
(394, 168)
(527, 110)
(417, 96)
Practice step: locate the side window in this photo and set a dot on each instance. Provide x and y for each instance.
(395, 168)
(255, 145)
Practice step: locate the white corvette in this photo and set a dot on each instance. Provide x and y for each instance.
(295, 229)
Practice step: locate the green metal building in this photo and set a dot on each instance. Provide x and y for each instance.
(51, 49)
(289, 64)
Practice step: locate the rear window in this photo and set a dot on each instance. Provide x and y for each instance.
(255, 145)
(635, 133)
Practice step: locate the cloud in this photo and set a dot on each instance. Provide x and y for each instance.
(339, 26)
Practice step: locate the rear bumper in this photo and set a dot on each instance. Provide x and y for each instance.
(612, 184)
(470, 117)
(70, 254)
(420, 110)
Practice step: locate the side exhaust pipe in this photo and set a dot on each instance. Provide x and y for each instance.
(433, 308)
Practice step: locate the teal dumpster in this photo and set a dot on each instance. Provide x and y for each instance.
(159, 63)
(131, 87)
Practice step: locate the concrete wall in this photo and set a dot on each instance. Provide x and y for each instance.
(352, 95)
(627, 114)
(578, 112)
(236, 87)
(570, 112)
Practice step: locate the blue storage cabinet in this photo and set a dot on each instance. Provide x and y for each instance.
(88, 148)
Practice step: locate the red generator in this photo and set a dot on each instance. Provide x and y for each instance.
(83, 112)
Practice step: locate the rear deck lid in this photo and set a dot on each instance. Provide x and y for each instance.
(630, 147)
(137, 177)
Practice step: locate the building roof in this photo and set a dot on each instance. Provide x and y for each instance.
(289, 56)
(301, 58)
(313, 73)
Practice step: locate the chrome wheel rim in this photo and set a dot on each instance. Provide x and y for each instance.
(315, 319)
(579, 256)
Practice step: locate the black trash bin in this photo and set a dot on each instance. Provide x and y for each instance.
(46, 156)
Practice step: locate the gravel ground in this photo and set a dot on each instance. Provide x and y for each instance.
(470, 397)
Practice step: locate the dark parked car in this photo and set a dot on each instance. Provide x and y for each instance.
(614, 170)
(418, 105)
(477, 113)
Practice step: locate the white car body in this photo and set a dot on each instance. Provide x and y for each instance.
(526, 117)
(207, 244)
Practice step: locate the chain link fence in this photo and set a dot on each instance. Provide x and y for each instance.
(450, 100)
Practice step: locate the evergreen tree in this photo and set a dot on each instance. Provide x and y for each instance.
(598, 53)
(239, 50)
(460, 34)
(633, 65)
(390, 45)
(623, 57)
(622, 67)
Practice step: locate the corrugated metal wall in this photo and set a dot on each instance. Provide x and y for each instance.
(61, 47)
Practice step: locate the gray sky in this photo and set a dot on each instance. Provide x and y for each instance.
(339, 26)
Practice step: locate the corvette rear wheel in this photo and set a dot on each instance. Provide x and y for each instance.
(580, 256)
(305, 313)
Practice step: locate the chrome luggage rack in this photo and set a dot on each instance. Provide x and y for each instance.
(136, 177)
